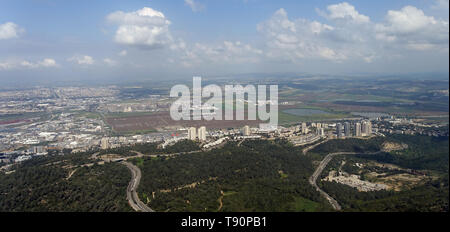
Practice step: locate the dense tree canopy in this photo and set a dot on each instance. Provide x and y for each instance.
(256, 175)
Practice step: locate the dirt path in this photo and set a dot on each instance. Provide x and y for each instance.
(220, 200)
(71, 173)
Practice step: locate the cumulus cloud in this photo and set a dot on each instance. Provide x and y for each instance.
(10, 30)
(45, 63)
(348, 34)
(226, 52)
(441, 5)
(144, 28)
(408, 19)
(82, 60)
(410, 26)
(48, 63)
(294, 40)
(194, 5)
(109, 62)
(343, 34)
(6, 66)
(344, 12)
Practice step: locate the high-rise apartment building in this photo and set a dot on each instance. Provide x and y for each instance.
(358, 129)
(339, 130)
(366, 128)
(304, 128)
(320, 131)
(202, 133)
(104, 143)
(347, 130)
(192, 135)
(246, 131)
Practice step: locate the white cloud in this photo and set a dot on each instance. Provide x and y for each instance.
(10, 30)
(441, 5)
(318, 28)
(194, 5)
(298, 39)
(48, 63)
(349, 35)
(144, 28)
(28, 64)
(345, 12)
(408, 19)
(109, 62)
(227, 52)
(45, 63)
(342, 35)
(421, 46)
(123, 53)
(412, 28)
(6, 66)
(82, 60)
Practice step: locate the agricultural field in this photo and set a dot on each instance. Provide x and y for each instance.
(421, 98)
(162, 121)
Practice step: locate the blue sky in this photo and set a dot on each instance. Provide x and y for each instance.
(149, 39)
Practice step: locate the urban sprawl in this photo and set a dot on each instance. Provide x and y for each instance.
(71, 119)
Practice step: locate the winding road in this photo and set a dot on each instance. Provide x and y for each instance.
(132, 197)
(316, 174)
(321, 167)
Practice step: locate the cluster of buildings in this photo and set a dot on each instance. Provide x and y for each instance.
(63, 118)
(47, 100)
(200, 136)
(69, 118)
(411, 127)
(118, 141)
(63, 130)
(215, 143)
(354, 181)
(46, 118)
(358, 129)
(201, 133)
(22, 155)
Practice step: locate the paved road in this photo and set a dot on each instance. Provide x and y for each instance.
(94, 156)
(140, 155)
(132, 197)
(321, 167)
(305, 150)
(239, 144)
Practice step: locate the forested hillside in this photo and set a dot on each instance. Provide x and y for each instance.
(256, 176)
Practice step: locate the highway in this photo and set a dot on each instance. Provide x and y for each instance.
(321, 167)
(132, 197)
